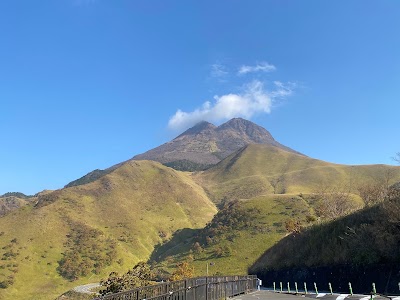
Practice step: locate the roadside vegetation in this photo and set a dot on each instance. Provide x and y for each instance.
(369, 236)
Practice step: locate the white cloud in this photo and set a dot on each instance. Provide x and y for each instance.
(218, 71)
(283, 89)
(260, 67)
(254, 99)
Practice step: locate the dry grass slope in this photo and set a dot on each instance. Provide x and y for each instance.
(282, 186)
(136, 206)
(262, 169)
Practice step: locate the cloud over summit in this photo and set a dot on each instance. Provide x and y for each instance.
(253, 100)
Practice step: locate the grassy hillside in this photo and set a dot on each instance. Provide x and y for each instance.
(368, 237)
(261, 169)
(282, 191)
(87, 231)
(236, 236)
(10, 203)
(144, 210)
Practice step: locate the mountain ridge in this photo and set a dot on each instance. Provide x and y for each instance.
(206, 144)
(199, 147)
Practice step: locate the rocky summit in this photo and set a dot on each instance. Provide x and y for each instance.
(205, 144)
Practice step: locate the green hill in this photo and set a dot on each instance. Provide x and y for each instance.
(80, 234)
(281, 191)
(360, 248)
(13, 201)
(258, 170)
(368, 236)
(236, 237)
(142, 209)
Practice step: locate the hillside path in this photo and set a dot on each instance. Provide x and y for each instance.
(86, 289)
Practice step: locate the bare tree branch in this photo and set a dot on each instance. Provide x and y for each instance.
(397, 157)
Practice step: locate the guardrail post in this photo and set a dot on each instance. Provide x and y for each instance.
(330, 288)
(351, 289)
(316, 289)
(274, 288)
(373, 288)
(288, 287)
(305, 288)
(207, 286)
(295, 286)
(280, 283)
(186, 288)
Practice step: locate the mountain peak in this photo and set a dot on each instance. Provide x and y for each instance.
(198, 128)
(237, 121)
(249, 130)
(204, 144)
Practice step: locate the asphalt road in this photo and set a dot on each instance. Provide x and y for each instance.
(266, 295)
(269, 295)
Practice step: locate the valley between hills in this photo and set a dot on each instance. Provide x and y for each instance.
(230, 195)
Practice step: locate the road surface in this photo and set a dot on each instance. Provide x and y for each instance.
(87, 288)
(269, 295)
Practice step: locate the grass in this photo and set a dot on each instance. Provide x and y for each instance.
(246, 244)
(367, 237)
(143, 206)
(249, 175)
(252, 172)
(138, 205)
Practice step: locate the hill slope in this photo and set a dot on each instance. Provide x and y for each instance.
(282, 191)
(89, 230)
(369, 236)
(360, 248)
(205, 144)
(13, 201)
(262, 169)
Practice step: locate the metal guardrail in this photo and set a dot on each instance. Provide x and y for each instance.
(200, 288)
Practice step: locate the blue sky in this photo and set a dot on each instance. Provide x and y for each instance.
(85, 84)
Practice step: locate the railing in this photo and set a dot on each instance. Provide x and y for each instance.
(200, 288)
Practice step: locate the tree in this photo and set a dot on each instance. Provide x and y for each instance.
(372, 193)
(197, 249)
(379, 190)
(397, 157)
(278, 184)
(334, 202)
(140, 275)
(226, 251)
(183, 270)
(293, 226)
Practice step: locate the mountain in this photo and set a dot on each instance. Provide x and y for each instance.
(82, 233)
(200, 147)
(137, 210)
(205, 144)
(277, 191)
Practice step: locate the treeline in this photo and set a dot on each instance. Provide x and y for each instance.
(187, 165)
(8, 263)
(88, 250)
(232, 218)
